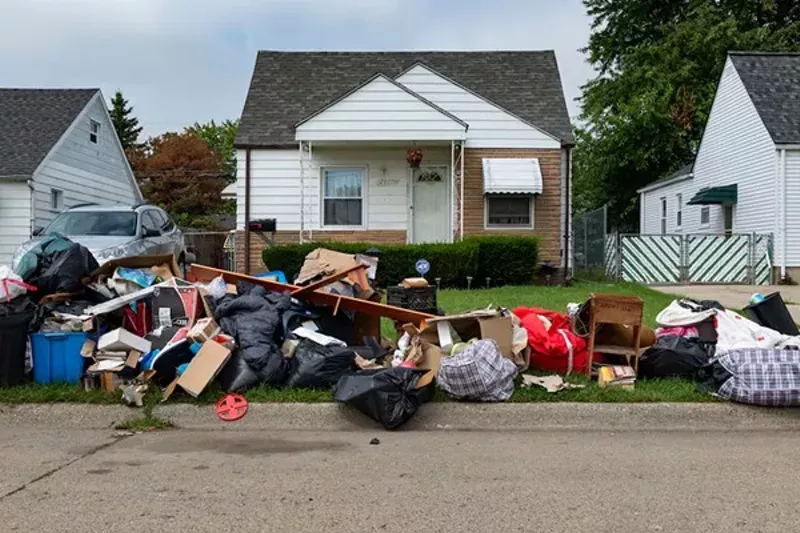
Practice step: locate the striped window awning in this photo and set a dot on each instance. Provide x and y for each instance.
(512, 176)
(727, 194)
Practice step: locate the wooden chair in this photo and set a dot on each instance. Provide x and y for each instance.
(615, 309)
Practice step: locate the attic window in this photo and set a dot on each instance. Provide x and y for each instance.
(94, 131)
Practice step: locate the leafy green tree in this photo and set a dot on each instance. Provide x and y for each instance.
(127, 126)
(220, 138)
(658, 64)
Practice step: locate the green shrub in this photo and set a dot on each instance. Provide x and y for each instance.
(505, 259)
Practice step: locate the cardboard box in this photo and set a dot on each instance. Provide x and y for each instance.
(144, 261)
(205, 329)
(475, 325)
(123, 340)
(175, 303)
(203, 368)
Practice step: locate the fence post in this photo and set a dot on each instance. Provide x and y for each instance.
(618, 248)
(683, 271)
(751, 255)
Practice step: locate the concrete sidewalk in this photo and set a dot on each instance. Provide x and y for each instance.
(737, 296)
(556, 416)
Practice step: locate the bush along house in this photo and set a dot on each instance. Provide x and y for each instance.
(406, 147)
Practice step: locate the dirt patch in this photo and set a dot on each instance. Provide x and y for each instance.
(242, 445)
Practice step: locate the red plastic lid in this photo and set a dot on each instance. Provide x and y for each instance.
(231, 407)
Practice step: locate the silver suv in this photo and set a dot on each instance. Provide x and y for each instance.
(111, 232)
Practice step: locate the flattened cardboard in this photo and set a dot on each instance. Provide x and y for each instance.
(203, 368)
(143, 261)
(87, 350)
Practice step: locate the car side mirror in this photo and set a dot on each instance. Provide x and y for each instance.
(37, 231)
(150, 232)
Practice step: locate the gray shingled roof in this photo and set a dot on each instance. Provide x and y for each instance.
(287, 87)
(31, 122)
(773, 82)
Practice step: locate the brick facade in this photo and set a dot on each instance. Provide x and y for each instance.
(547, 206)
(290, 237)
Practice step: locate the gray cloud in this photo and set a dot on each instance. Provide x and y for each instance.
(181, 61)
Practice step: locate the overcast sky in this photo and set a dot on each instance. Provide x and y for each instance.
(182, 61)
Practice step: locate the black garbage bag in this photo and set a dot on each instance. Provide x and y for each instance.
(314, 365)
(389, 396)
(674, 356)
(253, 319)
(237, 376)
(63, 270)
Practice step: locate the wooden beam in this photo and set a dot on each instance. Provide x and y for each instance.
(325, 281)
(205, 274)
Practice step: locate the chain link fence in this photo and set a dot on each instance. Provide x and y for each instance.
(589, 243)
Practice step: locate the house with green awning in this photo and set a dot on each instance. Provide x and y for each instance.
(745, 178)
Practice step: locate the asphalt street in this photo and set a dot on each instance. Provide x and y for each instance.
(183, 480)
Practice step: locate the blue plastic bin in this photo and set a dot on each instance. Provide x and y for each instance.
(57, 357)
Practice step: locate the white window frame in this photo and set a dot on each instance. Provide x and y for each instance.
(56, 200)
(679, 211)
(662, 212)
(364, 196)
(94, 131)
(707, 210)
(502, 227)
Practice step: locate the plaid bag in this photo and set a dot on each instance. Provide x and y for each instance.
(762, 377)
(478, 373)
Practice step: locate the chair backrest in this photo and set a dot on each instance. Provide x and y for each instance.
(616, 309)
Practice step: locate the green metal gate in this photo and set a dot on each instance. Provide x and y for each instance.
(694, 258)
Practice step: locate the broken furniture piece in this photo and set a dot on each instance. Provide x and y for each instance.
(617, 310)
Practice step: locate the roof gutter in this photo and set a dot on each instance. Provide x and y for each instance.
(568, 213)
(658, 185)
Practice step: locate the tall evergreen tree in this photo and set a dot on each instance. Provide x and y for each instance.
(127, 126)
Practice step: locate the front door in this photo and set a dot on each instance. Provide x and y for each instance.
(430, 204)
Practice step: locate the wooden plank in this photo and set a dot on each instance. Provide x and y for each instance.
(325, 281)
(206, 274)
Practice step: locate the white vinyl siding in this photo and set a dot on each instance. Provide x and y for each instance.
(84, 171)
(650, 209)
(15, 217)
(489, 125)
(275, 184)
(792, 208)
(380, 111)
(736, 149)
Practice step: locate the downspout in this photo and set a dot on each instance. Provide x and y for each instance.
(462, 154)
(783, 215)
(452, 186)
(302, 193)
(247, 211)
(32, 208)
(568, 212)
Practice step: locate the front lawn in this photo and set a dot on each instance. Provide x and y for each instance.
(453, 301)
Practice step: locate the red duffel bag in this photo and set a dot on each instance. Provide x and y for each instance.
(554, 346)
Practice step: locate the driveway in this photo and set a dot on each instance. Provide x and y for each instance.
(737, 296)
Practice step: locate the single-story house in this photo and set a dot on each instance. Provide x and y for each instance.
(329, 143)
(58, 149)
(746, 176)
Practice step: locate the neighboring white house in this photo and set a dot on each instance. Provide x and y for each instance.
(746, 176)
(58, 149)
(324, 140)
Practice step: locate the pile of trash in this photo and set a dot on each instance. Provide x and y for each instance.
(136, 325)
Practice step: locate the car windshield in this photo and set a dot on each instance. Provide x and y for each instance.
(107, 223)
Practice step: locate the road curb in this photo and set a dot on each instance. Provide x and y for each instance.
(434, 416)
